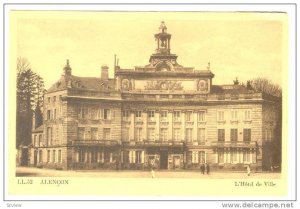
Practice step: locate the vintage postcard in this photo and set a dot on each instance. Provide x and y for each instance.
(167, 104)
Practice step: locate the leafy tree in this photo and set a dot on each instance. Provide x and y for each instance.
(30, 88)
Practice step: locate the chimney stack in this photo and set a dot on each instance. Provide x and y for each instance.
(104, 72)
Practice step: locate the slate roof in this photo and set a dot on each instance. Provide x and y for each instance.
(86, 83)
(38, 129)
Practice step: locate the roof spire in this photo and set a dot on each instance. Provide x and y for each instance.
(208, 66)
(67, 68)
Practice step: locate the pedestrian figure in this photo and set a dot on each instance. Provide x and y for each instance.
(248, 170)
(207, 169)
(152, 173)
(202, 168)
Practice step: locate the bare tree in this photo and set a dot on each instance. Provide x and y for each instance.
(265, 85)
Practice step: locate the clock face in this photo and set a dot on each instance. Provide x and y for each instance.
(202, 85)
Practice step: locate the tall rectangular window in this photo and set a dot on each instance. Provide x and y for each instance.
(268, 134)
(234, 156)
(48, 156)
(35, 140)
(139, 157)
(151, 134)
(164, 115)
(54, 99)
(138, 134)
(221, 135)
(94, 113)
(57, 135)
(233, 134)
(54, 116)
(106, 114)
(125, 134)
(49, 136)
(48, 114)
(221, 116)
(189, 116)
(246, 156)
(195, 157)
(151, 115)
(247, 134)
(221, 156)
(234, 114)
(125, 115)
(202, 157)
(40, 156)
(94, 155)
(189, 134)
(94, 133)
(164, 134)
(40, 140)
(138, 115)
(176, 115)
(81, 154)
(247, 115)
(201, 116)
(132, 156)
(201, 134)
(177, 134)
(83, 113)
(80, 132)
(106, 133)
(59, 156)
(54, 156)
(100, 156)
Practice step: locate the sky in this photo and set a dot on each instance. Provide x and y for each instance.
(242, 45)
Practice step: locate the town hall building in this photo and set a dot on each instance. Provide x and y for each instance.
(161, 115)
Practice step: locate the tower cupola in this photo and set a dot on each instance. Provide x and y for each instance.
(163, 40)
(68, 69)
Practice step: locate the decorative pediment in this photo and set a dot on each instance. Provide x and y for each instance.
(164, 66)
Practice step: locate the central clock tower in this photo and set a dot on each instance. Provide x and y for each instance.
(163, 74)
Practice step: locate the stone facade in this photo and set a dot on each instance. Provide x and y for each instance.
(161, 115)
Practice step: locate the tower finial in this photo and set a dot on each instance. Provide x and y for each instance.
(67, 68)
(208, 66)
(163, 27)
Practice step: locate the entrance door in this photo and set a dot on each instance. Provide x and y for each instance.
(163, 159)
(176, 160)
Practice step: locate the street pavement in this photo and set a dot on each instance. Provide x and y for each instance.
(38, 172)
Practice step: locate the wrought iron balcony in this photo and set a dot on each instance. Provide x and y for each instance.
(95, 142)
(153, 143)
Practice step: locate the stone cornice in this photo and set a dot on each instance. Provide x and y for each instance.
(180, 74)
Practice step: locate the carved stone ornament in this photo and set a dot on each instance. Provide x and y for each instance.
(164, 66)
(125, 84)
(202, 85)
(163, 85)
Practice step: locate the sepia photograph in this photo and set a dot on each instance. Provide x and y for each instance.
(160, 116)
(160, 102)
